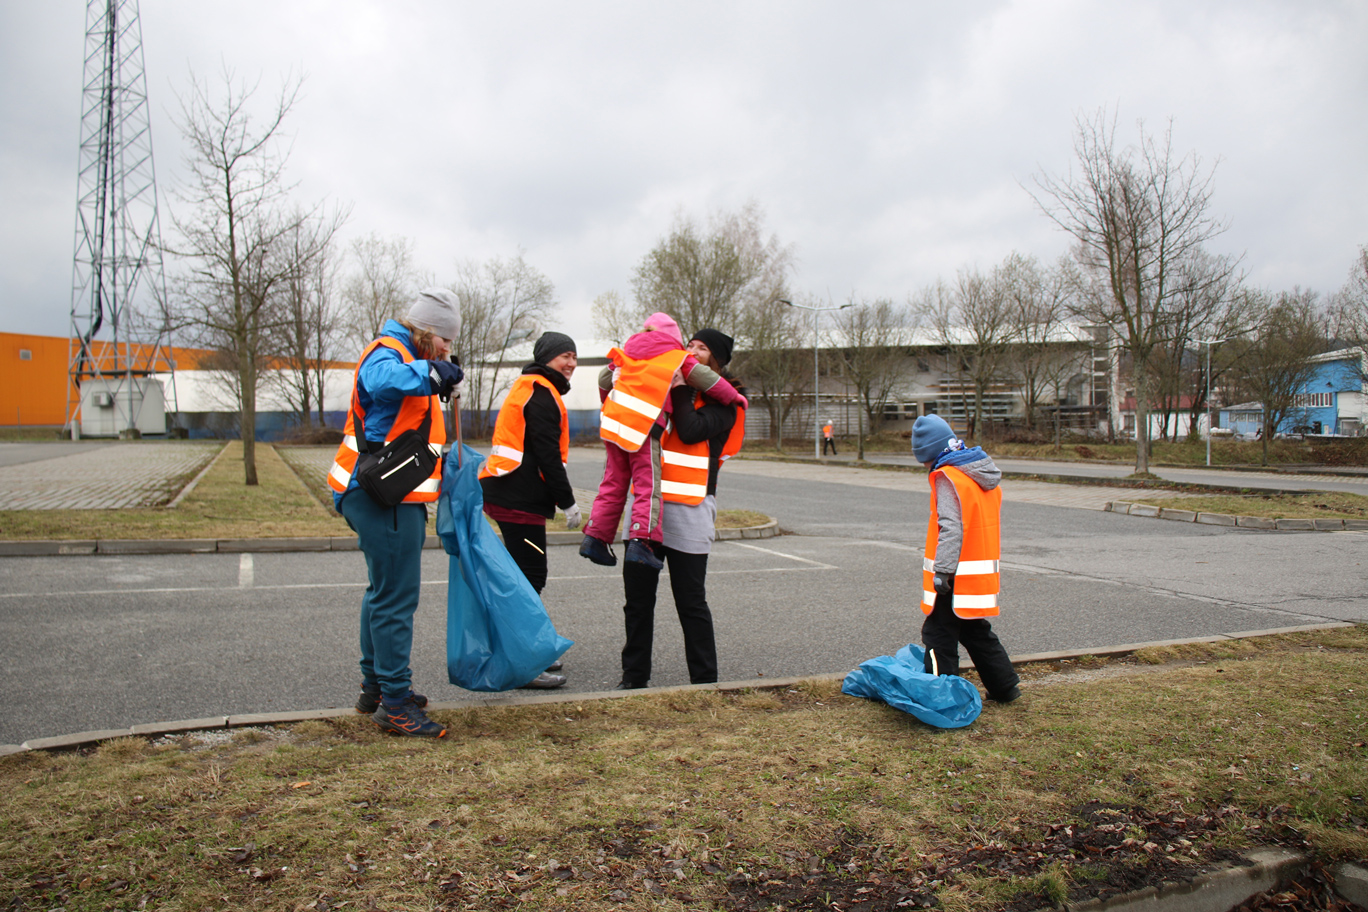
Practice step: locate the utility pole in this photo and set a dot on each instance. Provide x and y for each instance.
(816, 372)
(118, 252)
(1208, 343)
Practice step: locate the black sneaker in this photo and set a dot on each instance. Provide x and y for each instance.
(629, 685)
(598, 551)
(1007, 697)
(407, 718)
(639, 552)
(369, 701)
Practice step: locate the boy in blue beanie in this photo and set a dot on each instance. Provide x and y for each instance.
(960, 567)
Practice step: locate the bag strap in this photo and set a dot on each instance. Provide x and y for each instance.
(359, 424)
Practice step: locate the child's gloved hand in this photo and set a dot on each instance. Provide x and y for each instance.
(943, 583)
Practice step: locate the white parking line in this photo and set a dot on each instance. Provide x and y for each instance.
(246, 571)
(792, 557)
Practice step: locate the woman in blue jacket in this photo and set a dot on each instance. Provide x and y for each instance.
(400, 379)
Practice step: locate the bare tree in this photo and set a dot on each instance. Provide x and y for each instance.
(614, 318)
(1136, 213)
(705, 278)
(503, 302)
(974, 321)
(872, 357)
(770, 335)
(383, 283)
(1037, 300)
(307, 338)
(1349, 308)
(234, 244)
(1274, 367)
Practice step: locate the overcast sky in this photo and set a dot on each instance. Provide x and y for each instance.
(888, 142)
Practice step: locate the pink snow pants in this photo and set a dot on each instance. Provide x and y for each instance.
(638, 472)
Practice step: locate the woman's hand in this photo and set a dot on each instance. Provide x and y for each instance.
(677, 379)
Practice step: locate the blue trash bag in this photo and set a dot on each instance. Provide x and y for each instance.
(499, 635)
(945, 701)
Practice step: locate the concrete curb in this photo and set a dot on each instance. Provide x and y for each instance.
(1176, 514)
(523, 698)
(1218, 891)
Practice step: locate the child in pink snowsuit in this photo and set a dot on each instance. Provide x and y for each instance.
(639, 470)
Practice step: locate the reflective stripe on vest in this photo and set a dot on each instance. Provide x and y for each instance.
(411, 413)
(978, 575)
(684, 466)
(637, 397)
(510, 428)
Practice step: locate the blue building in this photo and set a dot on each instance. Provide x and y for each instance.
(1333, 401)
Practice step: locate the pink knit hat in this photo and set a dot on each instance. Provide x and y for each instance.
(663, 322)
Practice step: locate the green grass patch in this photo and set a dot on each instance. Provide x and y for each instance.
(1106, 775)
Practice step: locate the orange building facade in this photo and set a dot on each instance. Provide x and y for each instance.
(34, 381)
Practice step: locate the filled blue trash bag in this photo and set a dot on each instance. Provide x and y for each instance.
(499, 635)
(945, 701)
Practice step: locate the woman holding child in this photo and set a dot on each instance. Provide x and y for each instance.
(701, 435)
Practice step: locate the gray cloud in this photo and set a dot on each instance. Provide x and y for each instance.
(887, 141)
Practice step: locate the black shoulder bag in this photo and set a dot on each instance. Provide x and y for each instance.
(391, 472)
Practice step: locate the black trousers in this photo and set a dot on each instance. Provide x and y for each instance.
(523, 541)
(688, 584)
(828, 442)
(944, 631)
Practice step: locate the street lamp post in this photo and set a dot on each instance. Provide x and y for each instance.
(1208, 343)
(816, 372)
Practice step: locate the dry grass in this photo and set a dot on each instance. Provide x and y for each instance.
(1327, 505)
(702, 800)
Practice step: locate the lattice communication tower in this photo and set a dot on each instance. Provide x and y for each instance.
(118, 283)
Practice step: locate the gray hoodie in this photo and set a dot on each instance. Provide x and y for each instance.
(949, 517)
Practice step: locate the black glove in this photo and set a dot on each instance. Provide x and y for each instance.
(444, 376)
(943, 583)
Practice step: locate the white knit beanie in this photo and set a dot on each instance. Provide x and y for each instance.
(437, 311)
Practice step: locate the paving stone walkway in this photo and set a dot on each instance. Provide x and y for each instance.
(120, 474)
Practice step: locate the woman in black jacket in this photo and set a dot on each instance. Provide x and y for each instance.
(524, 480)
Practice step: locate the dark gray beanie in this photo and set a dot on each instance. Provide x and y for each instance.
(551, 345)
(930, 436)
(437, 311)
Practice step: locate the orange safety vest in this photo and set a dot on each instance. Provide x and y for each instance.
(510, 429)
(826, 431)
(637, 397)
(411, 414)
(684, 466)
(977, 576)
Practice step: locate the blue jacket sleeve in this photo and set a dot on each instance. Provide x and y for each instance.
(386, 378)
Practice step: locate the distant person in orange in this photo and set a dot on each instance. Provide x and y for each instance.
(827, 439)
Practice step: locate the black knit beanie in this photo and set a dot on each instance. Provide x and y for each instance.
(718, 342)
(550, 345)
